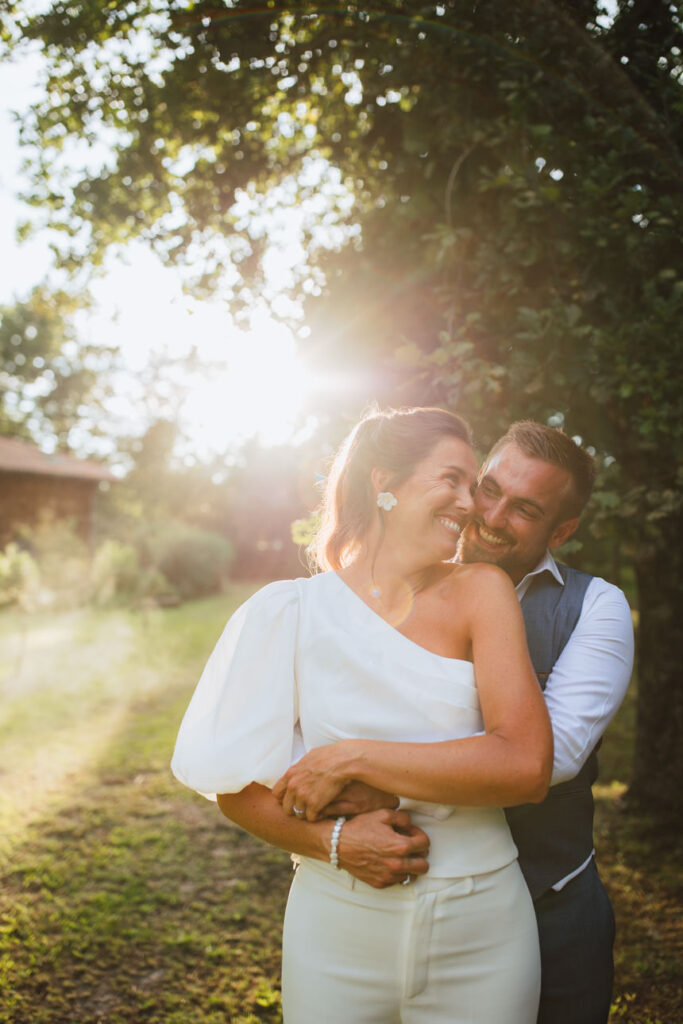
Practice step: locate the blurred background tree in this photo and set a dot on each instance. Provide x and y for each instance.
(52, 384)
(491, 201)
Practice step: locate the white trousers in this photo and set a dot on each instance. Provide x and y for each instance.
(437, 951)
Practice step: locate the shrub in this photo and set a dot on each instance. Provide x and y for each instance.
(62, 557)
(304, 531)
(195, 562)
(155, 587)
(19, 577)
(115, 572)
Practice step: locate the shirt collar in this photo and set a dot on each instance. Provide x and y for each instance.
(547, 564)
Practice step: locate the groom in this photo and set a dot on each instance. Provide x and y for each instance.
(530, 494)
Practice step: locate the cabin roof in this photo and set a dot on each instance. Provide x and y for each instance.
(18, 456)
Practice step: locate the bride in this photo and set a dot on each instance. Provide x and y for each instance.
(398, 669)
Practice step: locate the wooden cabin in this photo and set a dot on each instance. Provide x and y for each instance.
(33, 483)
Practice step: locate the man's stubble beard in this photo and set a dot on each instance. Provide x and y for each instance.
(469, 551)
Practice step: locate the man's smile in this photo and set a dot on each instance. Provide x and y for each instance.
(489, 538)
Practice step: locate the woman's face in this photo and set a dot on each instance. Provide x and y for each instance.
(434, 503)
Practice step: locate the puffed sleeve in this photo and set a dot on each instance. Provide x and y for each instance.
(240, 724)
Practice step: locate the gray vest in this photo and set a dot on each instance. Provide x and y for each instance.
(556, 836)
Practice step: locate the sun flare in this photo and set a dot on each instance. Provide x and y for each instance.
(246, 383)
(260, 391)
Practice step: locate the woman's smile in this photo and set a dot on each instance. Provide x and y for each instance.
(451, 524)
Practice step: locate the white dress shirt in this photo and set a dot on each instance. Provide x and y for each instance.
(589, 679)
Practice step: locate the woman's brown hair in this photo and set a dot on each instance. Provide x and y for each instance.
(391, 439)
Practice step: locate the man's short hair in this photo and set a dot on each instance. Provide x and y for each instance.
(552, 445)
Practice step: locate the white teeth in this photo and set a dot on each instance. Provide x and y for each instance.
(450, 524)
(490, 538)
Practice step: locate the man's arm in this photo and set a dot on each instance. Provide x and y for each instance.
(589, 679)
(370, 847)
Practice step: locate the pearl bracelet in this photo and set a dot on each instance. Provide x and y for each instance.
(334, 844)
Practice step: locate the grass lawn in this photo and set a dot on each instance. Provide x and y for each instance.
(125, 898)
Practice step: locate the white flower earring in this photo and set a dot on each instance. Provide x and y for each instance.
(386, 500)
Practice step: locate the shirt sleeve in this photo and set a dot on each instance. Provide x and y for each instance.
(589, 679)
(240, 724)
(438, 811)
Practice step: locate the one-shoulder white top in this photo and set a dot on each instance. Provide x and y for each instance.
(307, 660)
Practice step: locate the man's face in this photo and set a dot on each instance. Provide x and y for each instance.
(518, 513)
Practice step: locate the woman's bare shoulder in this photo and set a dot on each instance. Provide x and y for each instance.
(479, 579)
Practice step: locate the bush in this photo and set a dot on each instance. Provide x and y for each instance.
(63, 561)
(195, 562)
(118, 576)
(155, 587)
(19, 577)
(115, 572)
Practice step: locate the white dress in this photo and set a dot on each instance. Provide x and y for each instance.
(307, 661)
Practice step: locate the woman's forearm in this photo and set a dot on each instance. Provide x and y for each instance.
(379, 847)
(486, 770)
(256, 810)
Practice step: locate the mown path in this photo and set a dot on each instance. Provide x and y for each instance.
(125, 898)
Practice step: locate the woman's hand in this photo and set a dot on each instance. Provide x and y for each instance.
(383, 847)
(316, 780)
(379, 848)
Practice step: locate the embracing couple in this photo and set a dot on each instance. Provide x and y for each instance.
(383, 720)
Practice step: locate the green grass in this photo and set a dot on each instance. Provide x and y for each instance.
(125, 898)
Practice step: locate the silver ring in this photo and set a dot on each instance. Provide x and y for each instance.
(299, 813)
(407, 880)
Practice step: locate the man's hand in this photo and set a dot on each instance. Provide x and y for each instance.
(382, 848)
(359, 798)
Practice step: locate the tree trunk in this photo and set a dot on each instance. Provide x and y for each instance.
(658, 764)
